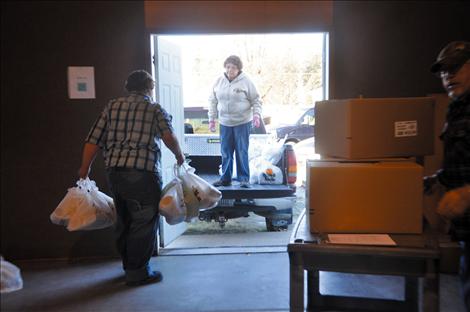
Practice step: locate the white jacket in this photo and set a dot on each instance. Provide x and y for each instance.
(235, 102)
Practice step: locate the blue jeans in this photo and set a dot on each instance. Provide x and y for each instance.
(136, 195)
(235, 139)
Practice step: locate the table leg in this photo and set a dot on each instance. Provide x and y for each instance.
(296, 283)
(314, 298)
(431, 286)
(411, 293)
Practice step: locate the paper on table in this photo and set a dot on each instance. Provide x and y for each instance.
(361, 239)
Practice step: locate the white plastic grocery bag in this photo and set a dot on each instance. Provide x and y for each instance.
(198, 193)
(270, 174)
(84, 207)
(66, 208)
(272, 151)
(10, 279)
(264, 172)
(172, 205)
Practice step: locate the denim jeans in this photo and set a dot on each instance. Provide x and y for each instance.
(235, 139)
(136, 195)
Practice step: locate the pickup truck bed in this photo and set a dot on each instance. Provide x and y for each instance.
(255, 191)
(272, 201)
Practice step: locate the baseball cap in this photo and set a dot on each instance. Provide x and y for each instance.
(453, 55)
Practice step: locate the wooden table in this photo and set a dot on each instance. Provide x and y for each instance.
(414, 256)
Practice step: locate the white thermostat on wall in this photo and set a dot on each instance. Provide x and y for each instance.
(81, 82)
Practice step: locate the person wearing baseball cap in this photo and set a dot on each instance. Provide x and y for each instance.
(453, 67)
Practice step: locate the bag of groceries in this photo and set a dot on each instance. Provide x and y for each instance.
(172, 205)
(198, 193)
(10, 277)
(84, 207)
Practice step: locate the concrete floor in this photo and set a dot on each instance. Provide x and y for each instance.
(228, 243)
(243, 281)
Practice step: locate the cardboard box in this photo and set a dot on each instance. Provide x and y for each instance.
(375, 128)
(364, 197)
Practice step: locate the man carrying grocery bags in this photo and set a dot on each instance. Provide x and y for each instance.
(128, 132)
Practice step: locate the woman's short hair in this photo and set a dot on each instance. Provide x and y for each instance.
(138, 80)
(235, 60)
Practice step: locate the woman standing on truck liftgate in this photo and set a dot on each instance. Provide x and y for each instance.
(235, 99)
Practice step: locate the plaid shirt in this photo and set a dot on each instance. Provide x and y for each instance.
(128, 132)
(456, 165)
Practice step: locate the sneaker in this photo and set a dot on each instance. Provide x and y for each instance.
(222, 183)
(154, 277)
(245, 184)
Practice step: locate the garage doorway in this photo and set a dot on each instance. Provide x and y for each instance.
(290, 71)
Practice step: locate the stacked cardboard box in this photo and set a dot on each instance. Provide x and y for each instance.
(364, 197)
(375, 128)
(366, 180)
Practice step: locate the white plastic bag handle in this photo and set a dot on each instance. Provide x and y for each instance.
(184, 168)
(87, 184)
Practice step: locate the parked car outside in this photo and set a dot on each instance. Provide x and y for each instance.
(301, 130)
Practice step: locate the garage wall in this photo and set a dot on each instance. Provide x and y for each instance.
(42, 130)
(385, 48)
(378, 49)
(238, 16)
